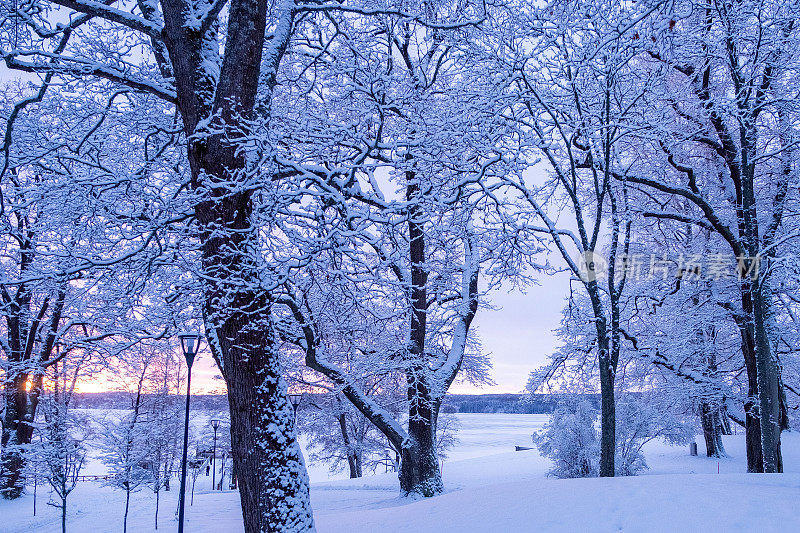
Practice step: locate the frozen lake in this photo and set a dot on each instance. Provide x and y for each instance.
(479, 435)
(484, 434)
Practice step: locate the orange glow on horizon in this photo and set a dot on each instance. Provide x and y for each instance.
(206, 379)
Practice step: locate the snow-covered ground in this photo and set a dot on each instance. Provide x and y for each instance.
(490, 488)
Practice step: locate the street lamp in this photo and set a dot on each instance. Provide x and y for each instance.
(215, 422)
(295, 399)
(190, 342)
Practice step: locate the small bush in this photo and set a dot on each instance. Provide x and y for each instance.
(572, 441)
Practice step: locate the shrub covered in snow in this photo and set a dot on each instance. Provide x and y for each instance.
(571, 439)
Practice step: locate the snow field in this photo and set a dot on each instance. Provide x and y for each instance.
(489, 488)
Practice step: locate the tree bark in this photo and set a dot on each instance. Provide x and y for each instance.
(712, 430)
(273, 483)
(419, 466)
(352, 457)
(769, 392)
(608, 420)
(127, 508)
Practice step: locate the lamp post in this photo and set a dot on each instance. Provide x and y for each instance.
(190, 342)
(215, 422)
(295, 399)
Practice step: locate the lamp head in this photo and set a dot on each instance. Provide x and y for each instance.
(190, 344)
(296, 399)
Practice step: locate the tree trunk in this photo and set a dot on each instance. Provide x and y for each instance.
(752, 428)
(760, 365)
(272, 478)
(608, 415)
(157, 502)
(20, 402)
(351, 454)
(17, 432)
(127, 507)
(723, 421)
(769, 393)
(758, 308)
(273, 483)
(352, 466)
(359, 464)
(608, 421)
(712, 430)
(419, 466)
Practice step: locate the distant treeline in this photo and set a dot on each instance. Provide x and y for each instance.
(124, 400)
(453, 403)
(509, 403)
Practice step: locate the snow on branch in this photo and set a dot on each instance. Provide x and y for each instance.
(101, 10)
(75, 66)
(425, 21)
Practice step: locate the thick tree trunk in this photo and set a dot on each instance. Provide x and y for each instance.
(608, 421)
(760, 365)
(419, 466)
(768, 387)
(273, 483)
(752, 427)
(757, 308)
(351, 464)
(271, 474)
(712, 430)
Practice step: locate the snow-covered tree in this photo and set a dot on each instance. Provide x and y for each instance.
(125, 441)
(339, 435)
(571, 113)
(62, 444)
(221, 67)
(77, 238)
(726, 164)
